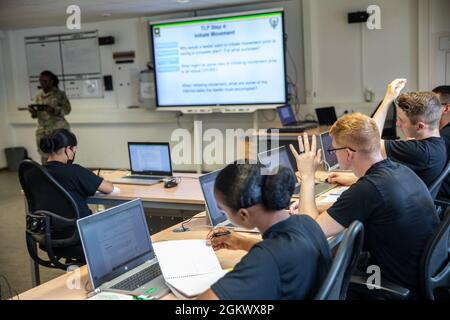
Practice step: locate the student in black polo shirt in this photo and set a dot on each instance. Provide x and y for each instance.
(390, 200)
(443, 93)
(293, 258)
(418, 115)
(81, 183)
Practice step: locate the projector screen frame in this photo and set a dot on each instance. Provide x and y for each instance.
(224, 108)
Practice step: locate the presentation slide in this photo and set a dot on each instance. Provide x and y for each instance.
(222, 61)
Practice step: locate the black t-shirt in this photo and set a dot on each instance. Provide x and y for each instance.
(398, 215)
(80, 182)
(445, 188)
(290, 263)
(427, 157)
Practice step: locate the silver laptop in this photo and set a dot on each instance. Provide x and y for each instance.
(150, 163)
(119, 252)
(281, 157)
(329, 159)
(217, 217)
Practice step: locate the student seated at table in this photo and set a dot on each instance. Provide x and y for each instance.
(391, 201)
(418, 115)
(81, 183)
(293, 258)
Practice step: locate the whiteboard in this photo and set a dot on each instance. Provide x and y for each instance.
(80, 56)
(43, 56)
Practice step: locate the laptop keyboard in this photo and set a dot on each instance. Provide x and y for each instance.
(143, 177)
(139, 279)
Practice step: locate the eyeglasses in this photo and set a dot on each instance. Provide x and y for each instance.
(333, 151)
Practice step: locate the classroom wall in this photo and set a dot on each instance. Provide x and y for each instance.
(5, 137)
(338, 62)
(108, 119)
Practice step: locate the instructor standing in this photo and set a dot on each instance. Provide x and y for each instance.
(51, 105)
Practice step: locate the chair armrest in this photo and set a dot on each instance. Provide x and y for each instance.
(387, 289)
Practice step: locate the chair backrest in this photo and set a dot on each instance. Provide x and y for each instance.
(337, 280)
(436, 185)
(435, 265)
(44, 193)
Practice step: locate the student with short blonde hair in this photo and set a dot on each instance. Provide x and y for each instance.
(390, 200)
(357, 131)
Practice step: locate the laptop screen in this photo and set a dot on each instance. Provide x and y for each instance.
(150, 158)
(275, 158)
(326, 116)
(115, 241)
(286, 115)
(207, 183)
(330, 159)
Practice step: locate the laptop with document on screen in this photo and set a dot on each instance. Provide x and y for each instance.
(119, 252)
(217, 217)
(150, 163)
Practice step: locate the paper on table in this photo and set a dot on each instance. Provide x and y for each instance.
(184, 258)
(111, 296)
(195, 285)
(332, 195)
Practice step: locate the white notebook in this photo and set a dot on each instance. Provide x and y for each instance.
(189, 266)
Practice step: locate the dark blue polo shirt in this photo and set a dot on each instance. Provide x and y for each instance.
(398, 215)
(290, 263)
(427, 157)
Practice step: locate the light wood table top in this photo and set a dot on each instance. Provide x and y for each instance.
(58, 289)
(188, 192)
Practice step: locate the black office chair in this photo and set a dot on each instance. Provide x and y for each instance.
(436, 185)
(441, 203)
(50, 219)
(336, 282)
(435, 265)
(434, 272)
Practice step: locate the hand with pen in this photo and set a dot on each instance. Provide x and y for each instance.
(223, 238)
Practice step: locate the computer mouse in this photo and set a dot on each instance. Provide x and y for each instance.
(170, 183)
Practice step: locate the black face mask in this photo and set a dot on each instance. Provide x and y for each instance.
(70, 161)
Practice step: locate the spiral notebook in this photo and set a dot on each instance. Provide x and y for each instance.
(189, 266)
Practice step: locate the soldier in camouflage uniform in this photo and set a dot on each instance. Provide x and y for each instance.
(53, 106)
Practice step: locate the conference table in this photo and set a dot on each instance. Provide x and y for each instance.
(75, 285)
(186, 196)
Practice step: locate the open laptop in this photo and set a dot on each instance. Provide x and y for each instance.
(326, 116)
(330, 160)
(150, 163)
(282, 157)
(289, 121)
(119, 252)
(217, 217)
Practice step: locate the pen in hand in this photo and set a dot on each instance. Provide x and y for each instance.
(220, 234)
